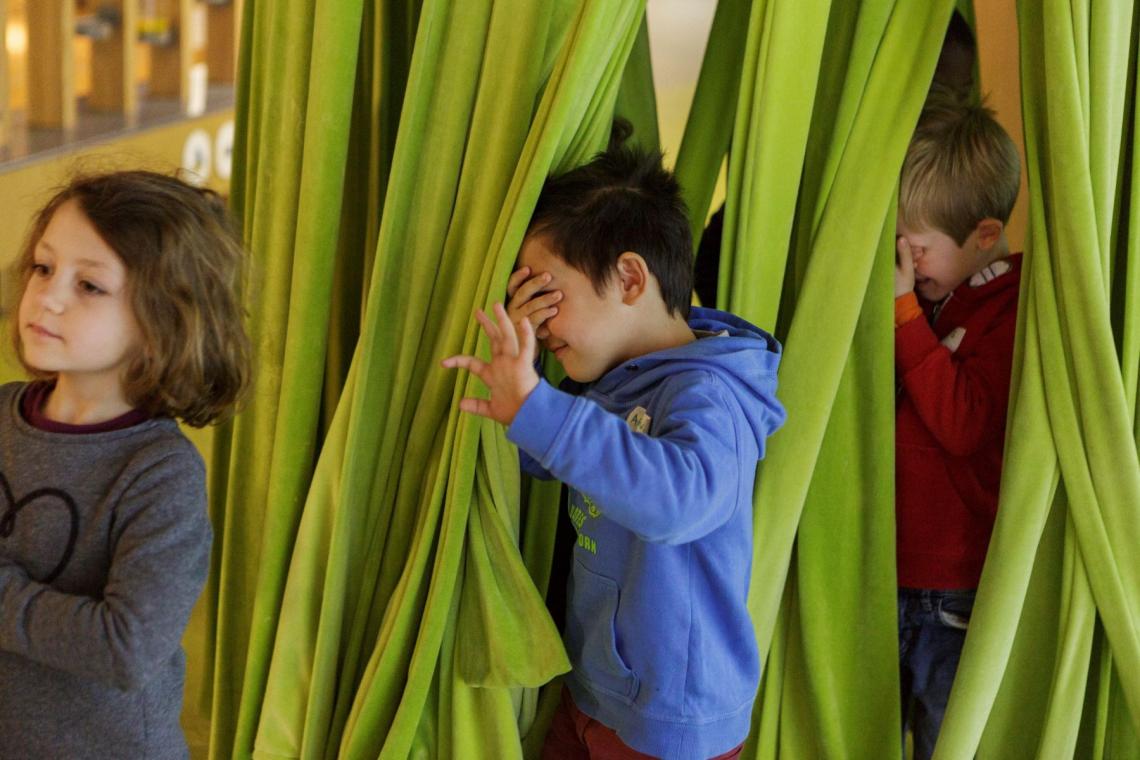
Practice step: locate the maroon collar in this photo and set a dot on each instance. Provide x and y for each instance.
(32, 408)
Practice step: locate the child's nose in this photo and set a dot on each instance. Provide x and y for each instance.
(51, 295)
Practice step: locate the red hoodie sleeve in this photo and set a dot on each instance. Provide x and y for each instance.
(961, 397)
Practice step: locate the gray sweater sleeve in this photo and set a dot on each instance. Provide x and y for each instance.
(160, 546)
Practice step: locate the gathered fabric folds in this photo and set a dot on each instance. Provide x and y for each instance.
(389, 611)
(1050, 666)
(380, 565)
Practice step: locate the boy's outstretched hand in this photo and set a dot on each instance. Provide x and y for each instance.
(904, 267)
(510, 375)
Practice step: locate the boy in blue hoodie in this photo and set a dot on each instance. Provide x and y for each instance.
(659, 449)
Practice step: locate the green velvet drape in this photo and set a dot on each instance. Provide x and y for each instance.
(295, 102)
(388, 609)
(386, 599)
(1065, 692)
(1050, 667)
(822, 120)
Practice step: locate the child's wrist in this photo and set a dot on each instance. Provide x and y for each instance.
(526, 388)
(906, 308)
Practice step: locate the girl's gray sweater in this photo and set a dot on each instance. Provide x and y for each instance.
(104, 548)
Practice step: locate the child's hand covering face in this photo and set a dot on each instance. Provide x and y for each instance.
(904, 267)
(527, 300)
(510, 374)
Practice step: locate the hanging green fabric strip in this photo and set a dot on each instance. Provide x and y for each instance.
(782, 58)
(835, 306)
(711, 117)
(637, 101)
(386, 40)
(406, 589)
(820, 132)
(386, 599)
(293, 121)
(1066, 525)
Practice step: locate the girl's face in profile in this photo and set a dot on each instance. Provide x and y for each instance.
(76, 318)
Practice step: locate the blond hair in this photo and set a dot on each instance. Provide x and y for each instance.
(961, 167)
(185, 271)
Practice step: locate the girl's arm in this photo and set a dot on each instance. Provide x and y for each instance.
(160, 552)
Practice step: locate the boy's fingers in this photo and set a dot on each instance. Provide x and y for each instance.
(538, 317)
(470, 363)
(479, 406)
(510, 338)
(542, 302)
(905, 258)
(517, 278)
(526, 338)
(489, 327)
(527, 290)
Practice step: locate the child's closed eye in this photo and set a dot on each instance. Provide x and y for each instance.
(91, 288)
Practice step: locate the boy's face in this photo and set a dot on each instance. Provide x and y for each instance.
(586, 335)
(940, 264)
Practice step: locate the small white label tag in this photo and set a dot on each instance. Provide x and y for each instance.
(638, 420)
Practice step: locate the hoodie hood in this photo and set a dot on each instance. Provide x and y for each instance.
(739, 353)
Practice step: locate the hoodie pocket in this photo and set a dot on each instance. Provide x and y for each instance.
(591, 636)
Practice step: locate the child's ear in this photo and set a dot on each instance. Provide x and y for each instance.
(632, 276)
(989, 232)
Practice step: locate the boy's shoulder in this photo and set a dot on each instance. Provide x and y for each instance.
(992, 271)
(991, 292)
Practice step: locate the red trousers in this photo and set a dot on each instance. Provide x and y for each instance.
(574, 735)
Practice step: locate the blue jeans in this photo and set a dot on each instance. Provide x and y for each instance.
(932, 629)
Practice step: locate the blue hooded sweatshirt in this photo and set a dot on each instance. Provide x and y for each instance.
(660, 455)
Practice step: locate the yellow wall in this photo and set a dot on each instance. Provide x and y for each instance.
(26, 185)
(996, 29)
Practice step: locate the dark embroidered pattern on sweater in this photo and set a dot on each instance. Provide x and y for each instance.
(12, 510)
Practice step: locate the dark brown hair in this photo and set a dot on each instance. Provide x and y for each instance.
(622, 200)
(185, 272)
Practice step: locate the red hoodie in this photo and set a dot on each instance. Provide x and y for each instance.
(950, 430)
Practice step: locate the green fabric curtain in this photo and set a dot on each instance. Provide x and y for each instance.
(386, 599)
(828, 689)
(637, 98)
(291, 147)
(387, 37)
(710, 126)
(1052, 663)
(408, 624)
(822, 120)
